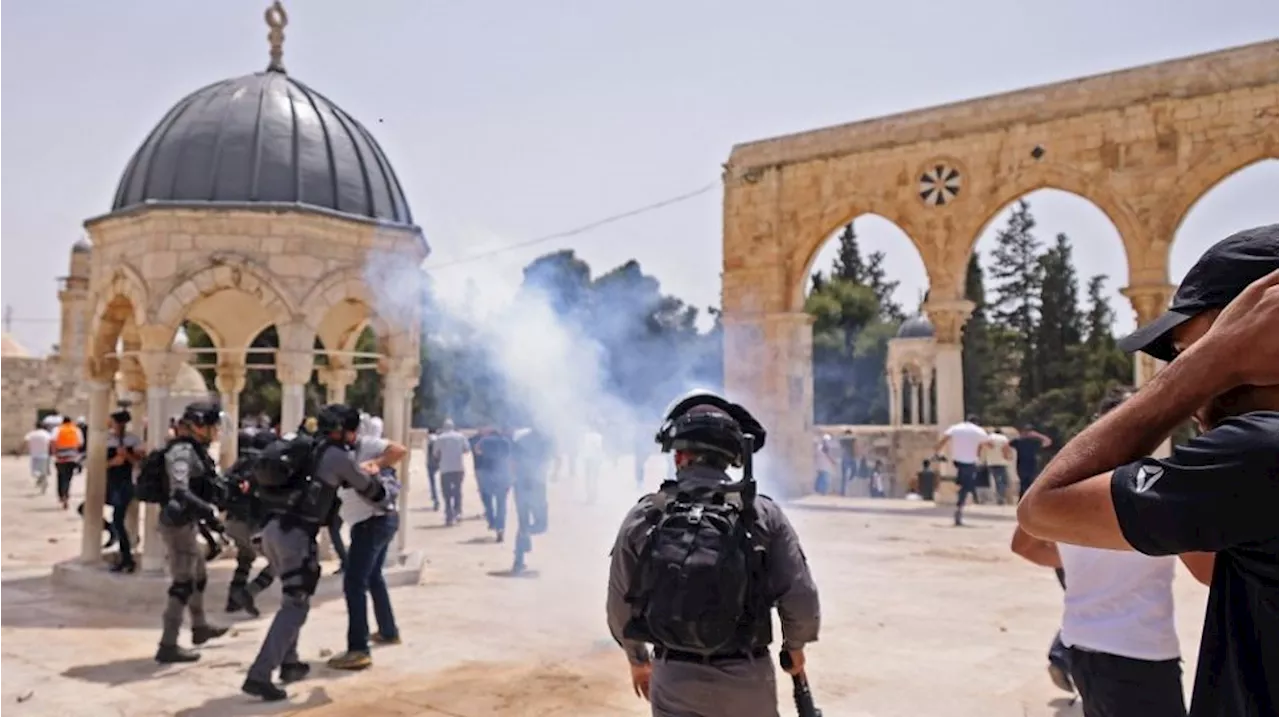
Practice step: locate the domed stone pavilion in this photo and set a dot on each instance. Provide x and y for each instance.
(254, 202)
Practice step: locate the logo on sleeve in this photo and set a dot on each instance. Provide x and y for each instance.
(1147, 477)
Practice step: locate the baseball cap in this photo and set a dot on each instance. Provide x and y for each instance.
(1221, 274)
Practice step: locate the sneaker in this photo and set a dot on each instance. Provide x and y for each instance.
(264, 689)
(124, 567)
(351, 661)
(378, 638)
(499, 540)
(1060, 678)
(172, 654)
(201, 634)
(294, 671)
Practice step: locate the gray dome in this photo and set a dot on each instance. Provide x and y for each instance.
(82, 246)
(916, 327)
(263, 138)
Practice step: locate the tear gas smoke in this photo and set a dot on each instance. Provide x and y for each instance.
(555, 373)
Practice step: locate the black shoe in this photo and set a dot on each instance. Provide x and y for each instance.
(201, 634)
(239, 598)
(294, 671)
(128, 567)
(264, 689)
(171, 654)
(435, 507)
(499, 536)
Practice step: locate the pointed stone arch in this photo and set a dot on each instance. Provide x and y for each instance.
(1210, 170)
(1063, 179)
(223, 271)
(350, 286)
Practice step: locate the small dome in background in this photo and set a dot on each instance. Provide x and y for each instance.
(188, 382)
(81, 247)
(916, 327)
(10, 348)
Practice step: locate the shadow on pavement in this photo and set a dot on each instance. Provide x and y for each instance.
(122, 672)
(242, 704)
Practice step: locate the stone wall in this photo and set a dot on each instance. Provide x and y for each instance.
(901, 450)
(27, 386)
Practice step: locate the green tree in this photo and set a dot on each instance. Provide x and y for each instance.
(977, 353)
(1017, 270)
(1060, 328)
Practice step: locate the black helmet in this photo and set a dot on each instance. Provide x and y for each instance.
(701, 421)
(202, 413)
(337, 417)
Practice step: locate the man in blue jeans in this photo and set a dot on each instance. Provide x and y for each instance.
(494, 451)
(373, 527)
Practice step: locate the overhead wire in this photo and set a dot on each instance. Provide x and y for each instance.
(576, 230)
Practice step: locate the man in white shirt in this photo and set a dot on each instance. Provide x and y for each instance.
(448, 448)
(966, 440)
(998, 455)
(38, 441)
(373, 527)
(375, 427)
(1117, 621)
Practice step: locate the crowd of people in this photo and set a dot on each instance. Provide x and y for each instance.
(700, 564)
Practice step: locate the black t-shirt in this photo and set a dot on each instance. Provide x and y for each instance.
(1027, 448)
(1218, 494)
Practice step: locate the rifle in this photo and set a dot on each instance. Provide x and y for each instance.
(800, 689)
(209, 529)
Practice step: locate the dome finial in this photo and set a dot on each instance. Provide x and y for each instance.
(277, 18)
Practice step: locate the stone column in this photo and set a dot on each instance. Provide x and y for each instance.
(230, 380)
(1149, 302)
(159, 367)
(336, 380)
(948, 319)
(399, 379)
(293, 371)
(294, 364)
(930, 412)
(894, 379)
(769, 370)
(913, 398)
(95, 474)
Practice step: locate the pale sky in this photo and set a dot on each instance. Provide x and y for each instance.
(510, 120)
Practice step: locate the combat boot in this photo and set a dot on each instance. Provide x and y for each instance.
(264, 689)
(201, 634)
(239, 598)
(294, 671)
(171, 654)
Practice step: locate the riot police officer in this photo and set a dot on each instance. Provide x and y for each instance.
(245, 516)
(706, 610)
(289, 541)
(190, 472)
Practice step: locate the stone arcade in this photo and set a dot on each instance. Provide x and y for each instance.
(1142, 144)
(255, 202)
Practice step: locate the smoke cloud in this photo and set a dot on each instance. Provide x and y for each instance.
(568, 365)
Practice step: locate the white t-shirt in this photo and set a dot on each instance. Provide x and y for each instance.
(449, 447)
(1119, 602)
(822, 455)
(994, 453)
(354, 507)
(375, 427)
(966, 439)
(38, 442)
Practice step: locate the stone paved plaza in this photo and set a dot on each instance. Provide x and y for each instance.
(921, 619)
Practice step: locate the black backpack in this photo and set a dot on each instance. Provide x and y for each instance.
(701, 573)
(152, 484)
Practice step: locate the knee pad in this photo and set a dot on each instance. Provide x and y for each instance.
(182, 590)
